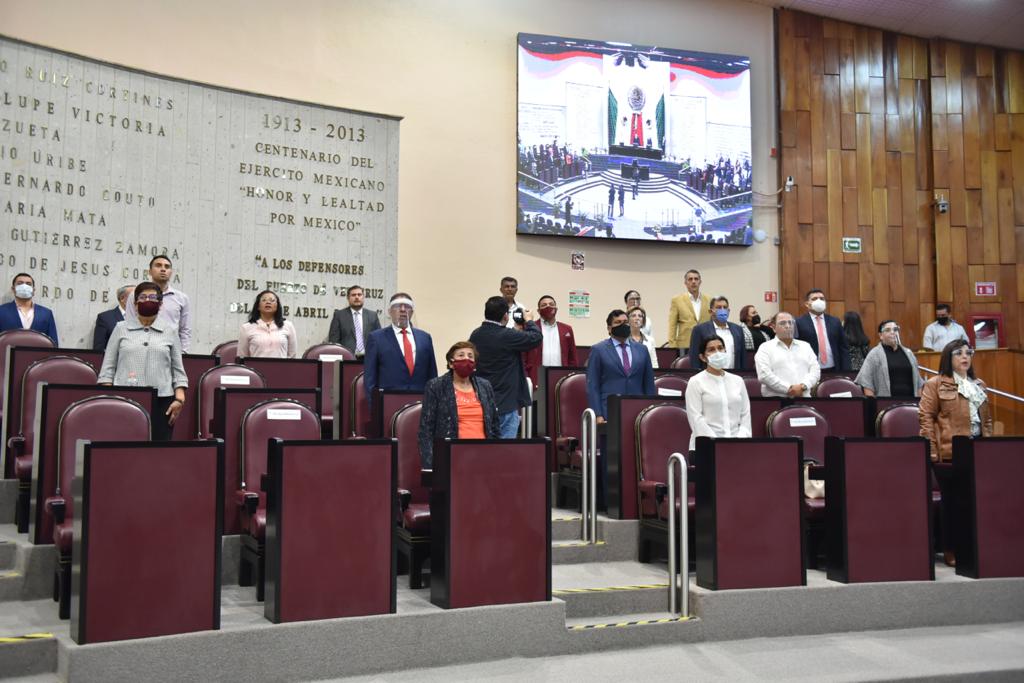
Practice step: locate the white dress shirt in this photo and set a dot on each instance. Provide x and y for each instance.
(779, 367)
(725, 334)
(27, 316)
(551, 356)
(717, 406)
(412, 340)
(936, 336)
(696, 303)
(649, 343)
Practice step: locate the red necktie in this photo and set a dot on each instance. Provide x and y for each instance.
(625, 358)
(407, 348)
(822, 340)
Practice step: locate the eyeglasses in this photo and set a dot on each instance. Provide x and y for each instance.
(890, 329)
(783, 323)
(964, 351)
(152, 297)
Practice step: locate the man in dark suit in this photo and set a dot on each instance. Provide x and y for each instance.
(106, 320)
(351, 327)
(398, 356)
(559, 342)
(823, 332)
(500, 361)
(23, 314)
(719, 326)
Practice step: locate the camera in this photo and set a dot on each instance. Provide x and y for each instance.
(789, 183)
(942, 205)
(517, 316)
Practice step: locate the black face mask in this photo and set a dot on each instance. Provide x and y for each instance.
(755, 320)
(621, 331)
(943, 319)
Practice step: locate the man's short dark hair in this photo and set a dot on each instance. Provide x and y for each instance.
(546, 296)
(942, 307)
(23, 275)
(807, 297)
(509, 278)
(164, 257)
(495, 309)
(691, 270)
(716, 299)
(351, 287)
(632, 291)
(613, 315)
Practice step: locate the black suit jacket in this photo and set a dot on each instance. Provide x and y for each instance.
(499, 360)
(704, 330)
(105, 323)
(343, 330)
(836, 338)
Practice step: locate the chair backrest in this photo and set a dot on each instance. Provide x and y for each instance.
(53, 370)
(673, 382)
(803, 422)
(898, 421)
(359, 407)
(229, 375)
(278, 418)
(405, 426)
(570, 402)
(753, 385)
(661, 430)
(97, 418)
(681, 363)
(18, 338)
(328, 349)
(328, 354)
(226, 351)
(837, 385)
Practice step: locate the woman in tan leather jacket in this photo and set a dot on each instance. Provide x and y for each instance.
(953, 403)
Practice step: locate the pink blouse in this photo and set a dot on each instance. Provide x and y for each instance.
(267, 340)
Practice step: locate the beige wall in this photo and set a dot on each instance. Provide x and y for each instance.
(449, 68)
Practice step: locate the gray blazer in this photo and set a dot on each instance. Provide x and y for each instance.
(343, 330)
(874, 374)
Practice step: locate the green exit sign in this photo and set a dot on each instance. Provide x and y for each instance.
(851, 245)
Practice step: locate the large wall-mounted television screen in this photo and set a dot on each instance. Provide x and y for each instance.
(637, 142)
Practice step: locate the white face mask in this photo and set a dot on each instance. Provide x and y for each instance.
(718, 360)
(23, 290)
(818, 305)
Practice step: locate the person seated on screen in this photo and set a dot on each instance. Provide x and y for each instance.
(717, 404)
(457, 404)
(890, 369)
(786, 366)
(267, 334)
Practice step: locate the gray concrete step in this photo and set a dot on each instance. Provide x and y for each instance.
(27, 656)
(8, 499)
(30, 575)
(8, 554)
(617, 540)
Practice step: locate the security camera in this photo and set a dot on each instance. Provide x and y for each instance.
(789, 183)
(941, 204)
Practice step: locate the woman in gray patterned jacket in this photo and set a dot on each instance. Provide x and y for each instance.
(890, 369)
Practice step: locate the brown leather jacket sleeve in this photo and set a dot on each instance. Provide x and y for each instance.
(985, 413)
(927, 412)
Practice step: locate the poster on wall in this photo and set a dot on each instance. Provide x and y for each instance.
(624, 141)
(104, 167)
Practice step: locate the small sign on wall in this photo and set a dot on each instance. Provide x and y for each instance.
(578, 260)
(771, 297)
(851, 245)
(579, 304)
(984, 289)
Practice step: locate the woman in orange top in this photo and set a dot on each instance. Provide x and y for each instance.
(457, 405)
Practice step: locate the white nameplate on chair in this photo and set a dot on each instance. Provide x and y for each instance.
(284, 414)
(802, 422)
(842, 394)
(235, 379)
(669, 392)
(331, 357)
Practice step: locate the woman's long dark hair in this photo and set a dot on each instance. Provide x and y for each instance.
(254, 314)
(946, 362)
(854, 329)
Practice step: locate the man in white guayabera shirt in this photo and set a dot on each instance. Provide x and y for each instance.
(786, 366)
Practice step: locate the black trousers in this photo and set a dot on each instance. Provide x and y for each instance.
(160, 427)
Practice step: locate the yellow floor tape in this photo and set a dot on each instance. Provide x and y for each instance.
(575, 544)
(609, 589)
(621, 624)
(26, 638)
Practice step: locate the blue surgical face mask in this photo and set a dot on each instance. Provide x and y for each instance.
(722, 314)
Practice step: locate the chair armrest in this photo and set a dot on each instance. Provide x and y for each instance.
(15, 445)
(567, 443)
(56, 506)
(654, 490)
(264, 482)
(404, 498)
(815, 471)
(248, 500)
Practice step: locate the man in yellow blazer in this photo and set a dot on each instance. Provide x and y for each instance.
(687, 310)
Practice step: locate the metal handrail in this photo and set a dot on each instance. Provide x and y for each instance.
(526, 415)
(1012, 397)
(588, 482)
(684, 548)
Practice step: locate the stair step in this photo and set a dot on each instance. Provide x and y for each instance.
(28, 575)
(8, 555)
(28, 655)
(565, 528)
(626, 621)
(8, 500)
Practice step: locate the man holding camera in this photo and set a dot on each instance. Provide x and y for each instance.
(499, 358)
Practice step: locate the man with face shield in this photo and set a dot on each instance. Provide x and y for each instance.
(890, 369)
(398, 356)
(23, 313)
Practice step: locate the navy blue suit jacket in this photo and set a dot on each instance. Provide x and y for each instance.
(836, 338)
(41, 322)
(384, 363)
(105, 323)
(605, 375)
(704, 330)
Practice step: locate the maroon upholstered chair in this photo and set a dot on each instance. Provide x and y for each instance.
(414, 526)
(681, 363)
(328, 349)
(328, 354)
(672, 382)
(753, 385)
(570, 402)
(226, 351)
(837, 385)
(274, 419)
(900, 421)
(98, 418)
(661, 430)
(55, 369)
(230, 375)
(359, 407)
(17, 338)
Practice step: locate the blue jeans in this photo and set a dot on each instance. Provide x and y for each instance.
(508, 425)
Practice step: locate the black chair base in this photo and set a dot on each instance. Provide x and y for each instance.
(571, 481)
(21, 506)
(413, 551)
(251, 565)
(653, 542)
(62, 586)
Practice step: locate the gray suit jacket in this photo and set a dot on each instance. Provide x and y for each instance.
(343, 330)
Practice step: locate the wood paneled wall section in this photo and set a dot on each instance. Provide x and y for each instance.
(874, 125)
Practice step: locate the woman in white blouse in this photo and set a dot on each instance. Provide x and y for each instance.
(637, 323)
(717, 404)
(267, 334)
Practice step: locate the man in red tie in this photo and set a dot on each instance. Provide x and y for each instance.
(824, 333)
(398, 356)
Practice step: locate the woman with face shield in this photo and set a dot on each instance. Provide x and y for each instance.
(717, 404)
(890, 369)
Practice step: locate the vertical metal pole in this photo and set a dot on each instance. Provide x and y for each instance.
(593, 476)
(684, 549)
(588, 418)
